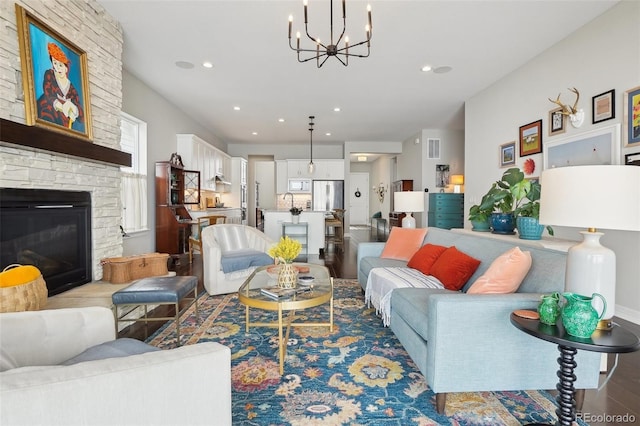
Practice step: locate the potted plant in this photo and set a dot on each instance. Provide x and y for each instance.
(295, 214)
(507, 196)
(528, 214)
(479, 215)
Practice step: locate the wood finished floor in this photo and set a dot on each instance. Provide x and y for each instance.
(619, 397)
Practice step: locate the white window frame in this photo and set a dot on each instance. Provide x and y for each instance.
(133, 139)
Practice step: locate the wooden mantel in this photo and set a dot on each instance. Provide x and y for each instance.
(41, 138)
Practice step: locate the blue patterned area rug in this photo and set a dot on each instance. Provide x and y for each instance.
(359, 374)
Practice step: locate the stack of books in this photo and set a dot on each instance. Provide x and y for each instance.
(276, 292)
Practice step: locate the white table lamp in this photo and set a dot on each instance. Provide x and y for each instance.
(408, 202)
(606, 196)
(457, 181)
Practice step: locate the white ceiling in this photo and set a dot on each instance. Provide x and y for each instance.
(385, 97)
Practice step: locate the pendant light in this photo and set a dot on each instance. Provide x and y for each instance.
(311, 167)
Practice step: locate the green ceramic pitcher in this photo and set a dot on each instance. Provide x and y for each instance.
(549, 308)
(579, 317)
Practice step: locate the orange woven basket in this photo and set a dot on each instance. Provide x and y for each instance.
(22, 288)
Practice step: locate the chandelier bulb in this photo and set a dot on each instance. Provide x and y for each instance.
(312, 167)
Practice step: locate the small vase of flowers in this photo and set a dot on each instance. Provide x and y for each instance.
(295, 214)
(284, 253)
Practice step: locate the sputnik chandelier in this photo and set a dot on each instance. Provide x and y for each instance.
(322, 51)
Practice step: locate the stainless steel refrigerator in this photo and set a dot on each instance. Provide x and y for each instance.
(328, 195)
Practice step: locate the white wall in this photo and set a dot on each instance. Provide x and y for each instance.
(164, 121)
(603, 55)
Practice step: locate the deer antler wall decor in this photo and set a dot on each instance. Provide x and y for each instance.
(575, 115)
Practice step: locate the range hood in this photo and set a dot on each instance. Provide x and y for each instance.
(221, 180)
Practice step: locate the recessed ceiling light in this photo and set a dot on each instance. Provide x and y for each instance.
(281, 120)
(236, 108)
(184, 65)
(336, 109)
(328, 134)
(442, 70)
(254, 133)
(207, 64)
(426, 68)
(362, 158)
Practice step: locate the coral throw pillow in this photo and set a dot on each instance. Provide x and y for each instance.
(425, 257)
(505, 273)
(403, 243)
(454, 268)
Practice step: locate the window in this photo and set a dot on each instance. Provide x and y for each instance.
(133, 139)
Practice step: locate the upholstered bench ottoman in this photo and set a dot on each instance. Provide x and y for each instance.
(156, 291)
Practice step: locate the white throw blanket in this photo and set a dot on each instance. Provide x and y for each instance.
(382, 281)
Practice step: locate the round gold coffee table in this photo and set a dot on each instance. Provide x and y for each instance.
(315, 293)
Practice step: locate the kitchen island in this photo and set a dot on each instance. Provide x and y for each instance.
(233, 214)
(273, 220)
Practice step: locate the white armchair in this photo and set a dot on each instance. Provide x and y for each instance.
(188, 385)
(224, 244)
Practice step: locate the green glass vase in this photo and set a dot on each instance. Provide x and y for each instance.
(579, 317)
(549, 309)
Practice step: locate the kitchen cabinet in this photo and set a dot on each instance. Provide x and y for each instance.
(298, 169)
(329, 170)
(282, 177)
(174, 188)
(446, 210)
(197, 154)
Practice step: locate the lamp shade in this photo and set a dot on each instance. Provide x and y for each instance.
(605, 196)
(457, 179)
(408, 201)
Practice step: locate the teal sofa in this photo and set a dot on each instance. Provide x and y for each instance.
(466, 342)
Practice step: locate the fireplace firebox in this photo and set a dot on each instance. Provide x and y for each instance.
(49, 229)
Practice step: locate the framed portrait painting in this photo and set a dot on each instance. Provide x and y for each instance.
(631, 129)
(55, 78)
(531, 138)
(508, 154)
(603, 106)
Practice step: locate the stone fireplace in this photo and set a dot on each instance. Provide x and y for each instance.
(36, 158)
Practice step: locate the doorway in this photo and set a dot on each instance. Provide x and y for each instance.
(358, 198)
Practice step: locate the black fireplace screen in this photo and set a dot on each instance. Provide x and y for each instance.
(48, 229)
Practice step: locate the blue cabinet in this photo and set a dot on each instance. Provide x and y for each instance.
(446, 210)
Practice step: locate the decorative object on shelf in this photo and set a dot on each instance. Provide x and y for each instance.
(380, 190)
(52, 62)
(176, 160)
(284, 253)
(295, 214)
(508, 154)
(579, 317)
(531, 138)
(603, 106)
(479, 215)
(311, 167)
(457, 181)
(408, 202)
(556, 122)
(333, 49)
(575, 114)
(549, 308)
(581, 196)
(631, 106)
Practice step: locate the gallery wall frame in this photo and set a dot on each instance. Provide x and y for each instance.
(531, 138)
(508, 154)
(599, 146)
(631, 105)
(603, 106)
(55, 78)
(557, 122)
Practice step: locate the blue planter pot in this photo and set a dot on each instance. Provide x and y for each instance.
(480, 226)
(503, 223)
(529, 228)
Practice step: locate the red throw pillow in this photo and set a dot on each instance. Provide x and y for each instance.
(424, 258)
(403, 243)
(454, 268)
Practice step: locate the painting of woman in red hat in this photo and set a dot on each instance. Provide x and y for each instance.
(60, 101)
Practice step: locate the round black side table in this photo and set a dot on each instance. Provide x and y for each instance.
(616, 340)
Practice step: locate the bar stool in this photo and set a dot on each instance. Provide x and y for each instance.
(195, 242)
(334, 230)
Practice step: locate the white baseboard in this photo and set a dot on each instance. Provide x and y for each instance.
(628, 314)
